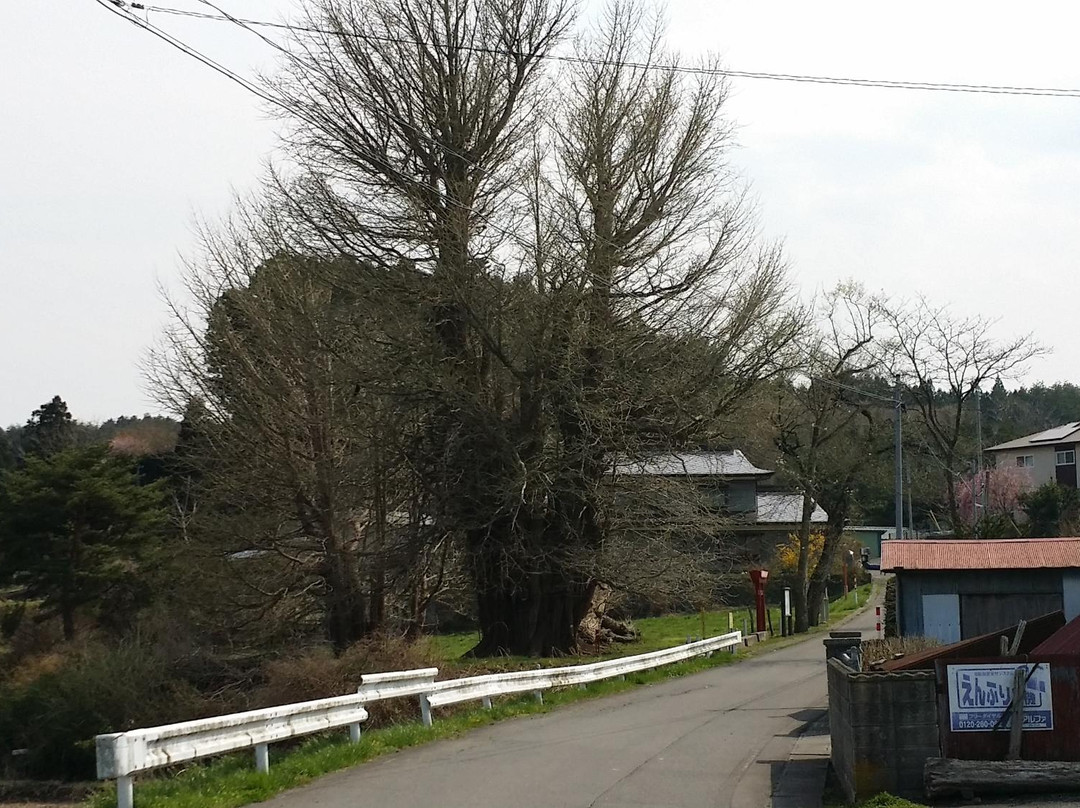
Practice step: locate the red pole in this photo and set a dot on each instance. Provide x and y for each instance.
(759, 577)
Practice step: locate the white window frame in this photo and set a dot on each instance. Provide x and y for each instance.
(1066, 457)
(1025, 461)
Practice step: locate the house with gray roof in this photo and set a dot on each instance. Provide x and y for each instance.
(735, 484)
(1048, 456)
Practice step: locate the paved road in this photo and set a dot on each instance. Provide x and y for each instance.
(718, 738)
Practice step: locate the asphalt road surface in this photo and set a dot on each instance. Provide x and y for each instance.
(717, 738)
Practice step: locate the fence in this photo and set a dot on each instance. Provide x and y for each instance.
(121, 755)
(883, 728)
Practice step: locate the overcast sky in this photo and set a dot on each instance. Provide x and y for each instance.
(111, 143)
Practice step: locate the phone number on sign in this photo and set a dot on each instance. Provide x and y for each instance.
(990, 721)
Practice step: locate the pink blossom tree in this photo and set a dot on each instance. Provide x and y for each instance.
(1004, 485)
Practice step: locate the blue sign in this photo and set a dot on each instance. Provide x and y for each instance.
(980, 697)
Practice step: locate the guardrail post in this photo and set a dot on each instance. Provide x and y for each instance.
(487, 702)
(425, 710)
(354, 732)
(583, 686)
(539, 694)
(125, 792)
(262, 758)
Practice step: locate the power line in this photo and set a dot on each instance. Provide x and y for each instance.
(843, 81)
(117, 7)
(849, 388)
(120, 10)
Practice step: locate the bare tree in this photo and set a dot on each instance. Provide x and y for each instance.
(651, 311)
(481, 306)
(305, 498)
(827, 431)
(943, 359)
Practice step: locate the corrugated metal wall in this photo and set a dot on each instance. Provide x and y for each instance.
(1061, 743)
(1042, 585)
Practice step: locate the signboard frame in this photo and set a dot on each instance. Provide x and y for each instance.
(979, 695)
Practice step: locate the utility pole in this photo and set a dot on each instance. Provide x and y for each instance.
(898, 454)
(910, 511)
(980, 477)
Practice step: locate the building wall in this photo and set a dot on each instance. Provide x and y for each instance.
(870, 539)
(1071, 595)
(742, 496)
(883, 726)
(1045, 469)
(913, 584)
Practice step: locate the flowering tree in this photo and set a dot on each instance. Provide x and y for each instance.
(1004, 485)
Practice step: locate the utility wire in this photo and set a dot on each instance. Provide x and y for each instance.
(849, 388)
(843, 81)
(120, 8)
(116, 7)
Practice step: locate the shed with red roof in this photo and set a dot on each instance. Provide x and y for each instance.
(954, 589)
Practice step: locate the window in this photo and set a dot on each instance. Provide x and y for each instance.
(1065, 458)
(1025, 461)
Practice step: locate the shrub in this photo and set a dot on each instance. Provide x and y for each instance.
(317, 674)
(53, 705)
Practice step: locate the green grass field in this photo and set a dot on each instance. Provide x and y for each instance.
(231, 781)
(656, 632)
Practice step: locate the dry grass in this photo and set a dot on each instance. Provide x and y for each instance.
(876, 652)
(319, 674)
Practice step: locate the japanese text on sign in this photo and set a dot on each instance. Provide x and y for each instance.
(980, 697)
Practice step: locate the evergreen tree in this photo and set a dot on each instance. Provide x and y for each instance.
(50, 429)
(75, 528)
(1052, 510)
(8, 456)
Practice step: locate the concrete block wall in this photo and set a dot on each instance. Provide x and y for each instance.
(884, 726)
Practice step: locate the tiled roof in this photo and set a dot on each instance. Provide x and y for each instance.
(693, 464)
(1066, 433)
(974, 554)
(780, 508)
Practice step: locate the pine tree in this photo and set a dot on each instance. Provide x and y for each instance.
(50, 429)
(75, 529)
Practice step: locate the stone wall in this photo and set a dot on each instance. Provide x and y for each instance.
(884, 726)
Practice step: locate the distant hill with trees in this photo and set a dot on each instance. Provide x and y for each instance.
(52, 423)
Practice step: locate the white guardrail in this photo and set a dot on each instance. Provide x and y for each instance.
(120, 755)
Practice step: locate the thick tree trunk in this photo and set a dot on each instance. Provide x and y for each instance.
(67, 616)
(531, 615)
(802, 615)
(346, 617)
(837, 507)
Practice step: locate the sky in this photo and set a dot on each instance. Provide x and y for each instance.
(112, 144)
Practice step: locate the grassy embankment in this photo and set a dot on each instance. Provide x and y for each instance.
(231, 781)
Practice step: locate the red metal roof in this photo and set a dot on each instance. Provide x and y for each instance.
(979, 554)
(1065, 641)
